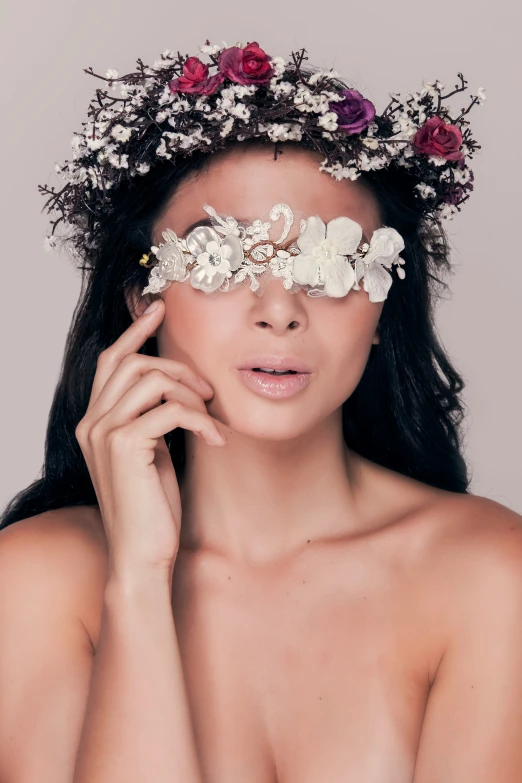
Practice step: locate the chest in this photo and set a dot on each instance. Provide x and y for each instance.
(303, 679)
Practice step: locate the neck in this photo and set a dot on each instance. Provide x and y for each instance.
(258, 500)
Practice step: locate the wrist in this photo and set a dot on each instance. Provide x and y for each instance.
(136, 579)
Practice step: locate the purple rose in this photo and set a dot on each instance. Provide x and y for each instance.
(354, 112)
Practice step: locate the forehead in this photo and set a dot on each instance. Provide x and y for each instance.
(246, 183)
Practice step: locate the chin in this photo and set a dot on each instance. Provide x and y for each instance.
(265, 419)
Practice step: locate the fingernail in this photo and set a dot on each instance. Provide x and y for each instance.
(153, 305)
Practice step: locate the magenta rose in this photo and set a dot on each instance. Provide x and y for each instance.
(354, 113)
(195, 78)
(437, 137)
(249, 65)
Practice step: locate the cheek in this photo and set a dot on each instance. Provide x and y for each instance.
(195, 327)
(347, 333)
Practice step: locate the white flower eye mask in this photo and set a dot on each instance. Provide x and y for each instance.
(325, 260)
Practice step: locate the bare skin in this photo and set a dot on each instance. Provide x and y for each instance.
(336, 620)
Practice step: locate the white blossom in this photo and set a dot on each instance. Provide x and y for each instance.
(282, 131)
(425, 190)
(446, 211)
(461, 176)
(481, 95)
(119, 161)
(306, 101)
(431, 88)
(240, 111)
(121, 133)
(322, 258)
(166, 96)
(212, 48)
(96, 143)
(281, 88)
(77, 143)
(216, 258)
(437, 160)
(385, 245)
(329, 121)
(50, 242)
(279, 66)
(404, 127)
(338, 171)
(240, 90)
(314, 78)
(161, 116)
(202, 104)
(227, 127)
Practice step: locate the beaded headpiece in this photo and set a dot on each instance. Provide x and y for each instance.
(178, 106)
(324, 260)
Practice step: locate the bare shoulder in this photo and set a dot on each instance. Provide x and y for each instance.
(451, 544)
(480, 532)
(471, 564)
(438, 521)
(63, 537)
(57, 558)
(51, 595)
(473, 596)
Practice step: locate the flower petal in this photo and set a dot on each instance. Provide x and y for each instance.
(377, 282)
(359, 269)
(339, 278)
(232, 249)
(171, 262)
(200, 279)
(345, 233)
(312, 236)
(305, 269)
(385, 245)
(199, 238)
(212, 247)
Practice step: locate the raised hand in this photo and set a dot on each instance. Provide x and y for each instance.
(122, 439)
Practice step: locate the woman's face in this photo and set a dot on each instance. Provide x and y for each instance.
(219, 333)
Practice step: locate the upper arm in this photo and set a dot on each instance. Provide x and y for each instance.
(45, 651)
(472, 729)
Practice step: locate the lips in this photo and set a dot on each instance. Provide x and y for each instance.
(278, 363)
(268, 384)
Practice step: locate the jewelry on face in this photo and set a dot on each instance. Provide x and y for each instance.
(325, 259)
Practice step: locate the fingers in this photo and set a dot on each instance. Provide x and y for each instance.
(133, 367)
(148, 392)
(129, 387)
(129, 342)
(162, 419)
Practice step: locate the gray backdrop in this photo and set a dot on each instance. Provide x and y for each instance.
(381, 47)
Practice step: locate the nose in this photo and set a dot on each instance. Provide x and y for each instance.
(279, 310)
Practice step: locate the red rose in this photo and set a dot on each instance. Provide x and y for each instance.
(195, 78)
(437, 137)
(245, 66)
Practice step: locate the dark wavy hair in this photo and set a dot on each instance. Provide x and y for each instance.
(406, 412)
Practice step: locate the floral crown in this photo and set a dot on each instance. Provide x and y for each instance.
(178, 106)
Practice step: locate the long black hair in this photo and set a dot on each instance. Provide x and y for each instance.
(406, 413)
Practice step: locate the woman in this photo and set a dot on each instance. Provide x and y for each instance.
(294, 584)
